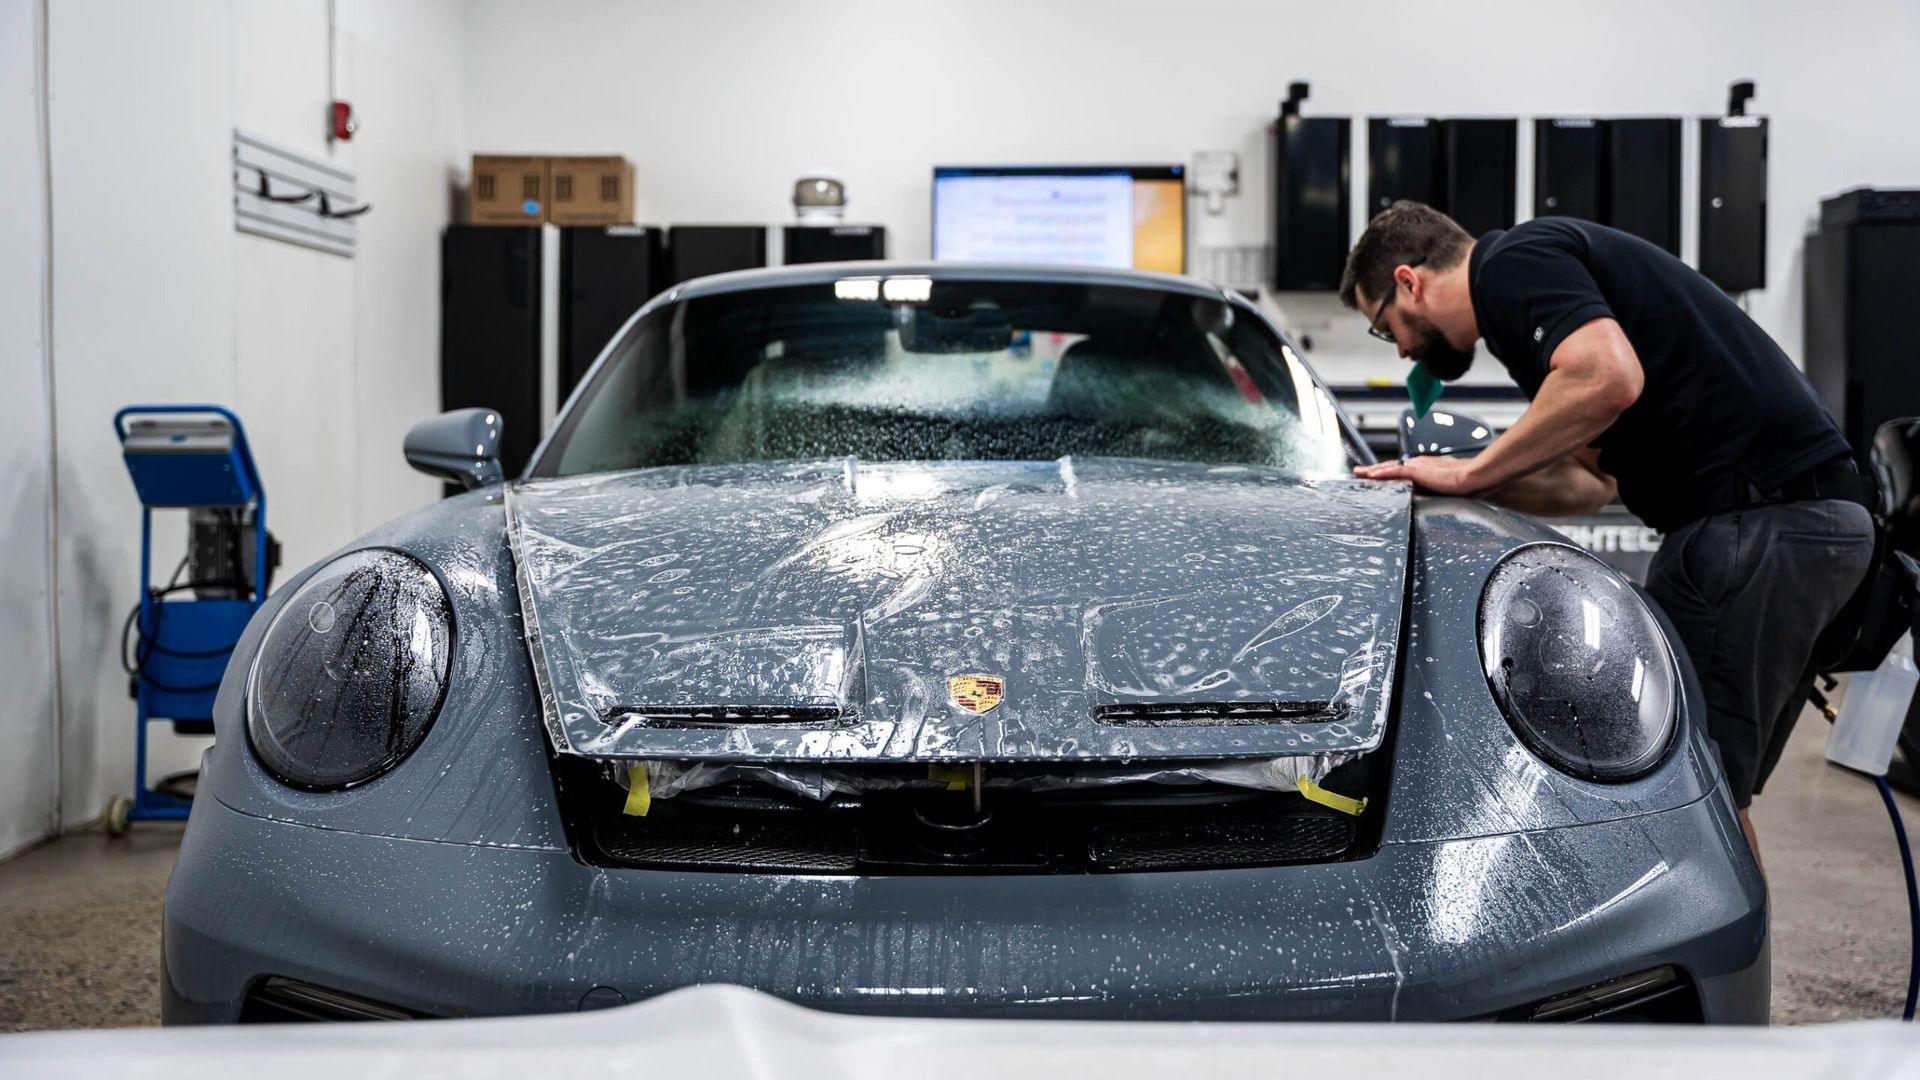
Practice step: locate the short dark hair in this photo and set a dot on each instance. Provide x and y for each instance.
(1406, 232)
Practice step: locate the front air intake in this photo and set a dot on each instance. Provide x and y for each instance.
(1661, 995)
(274, 1000)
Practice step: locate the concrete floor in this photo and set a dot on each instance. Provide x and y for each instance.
(80, 934)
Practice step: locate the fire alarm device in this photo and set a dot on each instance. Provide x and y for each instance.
(344, 124)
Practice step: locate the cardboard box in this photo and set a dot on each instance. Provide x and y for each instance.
(508, 190)
(590, 190)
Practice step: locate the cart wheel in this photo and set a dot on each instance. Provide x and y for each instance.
(117, 817)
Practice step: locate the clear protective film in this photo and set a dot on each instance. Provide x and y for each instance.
(822, 613)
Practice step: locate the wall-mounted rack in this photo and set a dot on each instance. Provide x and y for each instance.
(288, 196)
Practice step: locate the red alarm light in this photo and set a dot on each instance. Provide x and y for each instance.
(343, 122)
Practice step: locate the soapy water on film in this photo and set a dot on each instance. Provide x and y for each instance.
(863, 587)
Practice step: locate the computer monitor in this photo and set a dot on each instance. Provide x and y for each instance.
(1080, 215)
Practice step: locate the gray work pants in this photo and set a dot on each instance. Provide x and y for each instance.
(1749, 591)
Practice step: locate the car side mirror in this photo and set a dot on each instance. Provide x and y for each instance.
(462, 447)
(1447, 434)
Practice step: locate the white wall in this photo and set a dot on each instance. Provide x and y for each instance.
(156, 298)
(720, 104)
(29, 751)
(403, 65)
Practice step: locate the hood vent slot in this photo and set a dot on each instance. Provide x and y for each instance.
(1218, 713)
(683, 716)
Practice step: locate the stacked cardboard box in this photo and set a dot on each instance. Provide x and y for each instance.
(568, 190)
(507, 190)
(591, 191)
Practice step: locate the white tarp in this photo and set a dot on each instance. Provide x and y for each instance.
(724, 1031)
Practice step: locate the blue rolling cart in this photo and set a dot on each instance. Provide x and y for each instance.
(193, 458)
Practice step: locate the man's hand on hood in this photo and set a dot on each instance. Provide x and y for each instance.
(1439, 475)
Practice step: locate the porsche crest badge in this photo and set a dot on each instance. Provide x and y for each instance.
(976, 693)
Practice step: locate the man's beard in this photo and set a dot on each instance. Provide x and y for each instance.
(1441, 358)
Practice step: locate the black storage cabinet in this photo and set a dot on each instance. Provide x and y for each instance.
(1464, 168)
(1733, 202)
(698, 250)
(1643, 179)
(606, 273)
(490, 330)
(1312, 175)
(1860, 269)
(1478, 160)
(834, 243)
(1567, 157)
(1403, 162)
(1623, 172)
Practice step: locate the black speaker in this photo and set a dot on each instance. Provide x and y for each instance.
(490, 330)
(698, 250)
(606, 273)
(1312, 176)
(834, 243)
(1860, 267)
(1567, 156)
(1403, 162)
(1643, 179)
(1733, 201)
(1477, 172)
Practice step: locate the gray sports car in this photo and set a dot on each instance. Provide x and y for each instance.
(959, 641)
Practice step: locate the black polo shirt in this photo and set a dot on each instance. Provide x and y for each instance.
(1722, 405)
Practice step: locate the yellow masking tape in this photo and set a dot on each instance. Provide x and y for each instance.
(639, 799)
(1342, 803)
(955, 777)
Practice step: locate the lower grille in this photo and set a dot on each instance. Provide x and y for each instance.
(677, 845)
(275, 1000)
(1152, 845)
(899, 820)
(740, 829)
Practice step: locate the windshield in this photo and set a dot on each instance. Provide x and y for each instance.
(916, 369)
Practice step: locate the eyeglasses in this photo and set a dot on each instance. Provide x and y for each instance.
(1373, 324)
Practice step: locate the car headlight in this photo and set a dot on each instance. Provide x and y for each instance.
(351, 672)
(1577, 663)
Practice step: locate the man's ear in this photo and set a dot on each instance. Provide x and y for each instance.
(1404, 275)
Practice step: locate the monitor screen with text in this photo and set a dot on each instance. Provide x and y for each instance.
(1080, 215)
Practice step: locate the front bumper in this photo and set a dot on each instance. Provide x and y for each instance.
(1427, 931)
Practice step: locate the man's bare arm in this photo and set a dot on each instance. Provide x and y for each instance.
(1572, 485)
(1595, 376)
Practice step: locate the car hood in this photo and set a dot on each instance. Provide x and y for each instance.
(829, 610)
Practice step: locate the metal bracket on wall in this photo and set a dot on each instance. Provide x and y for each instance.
(287, 196)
